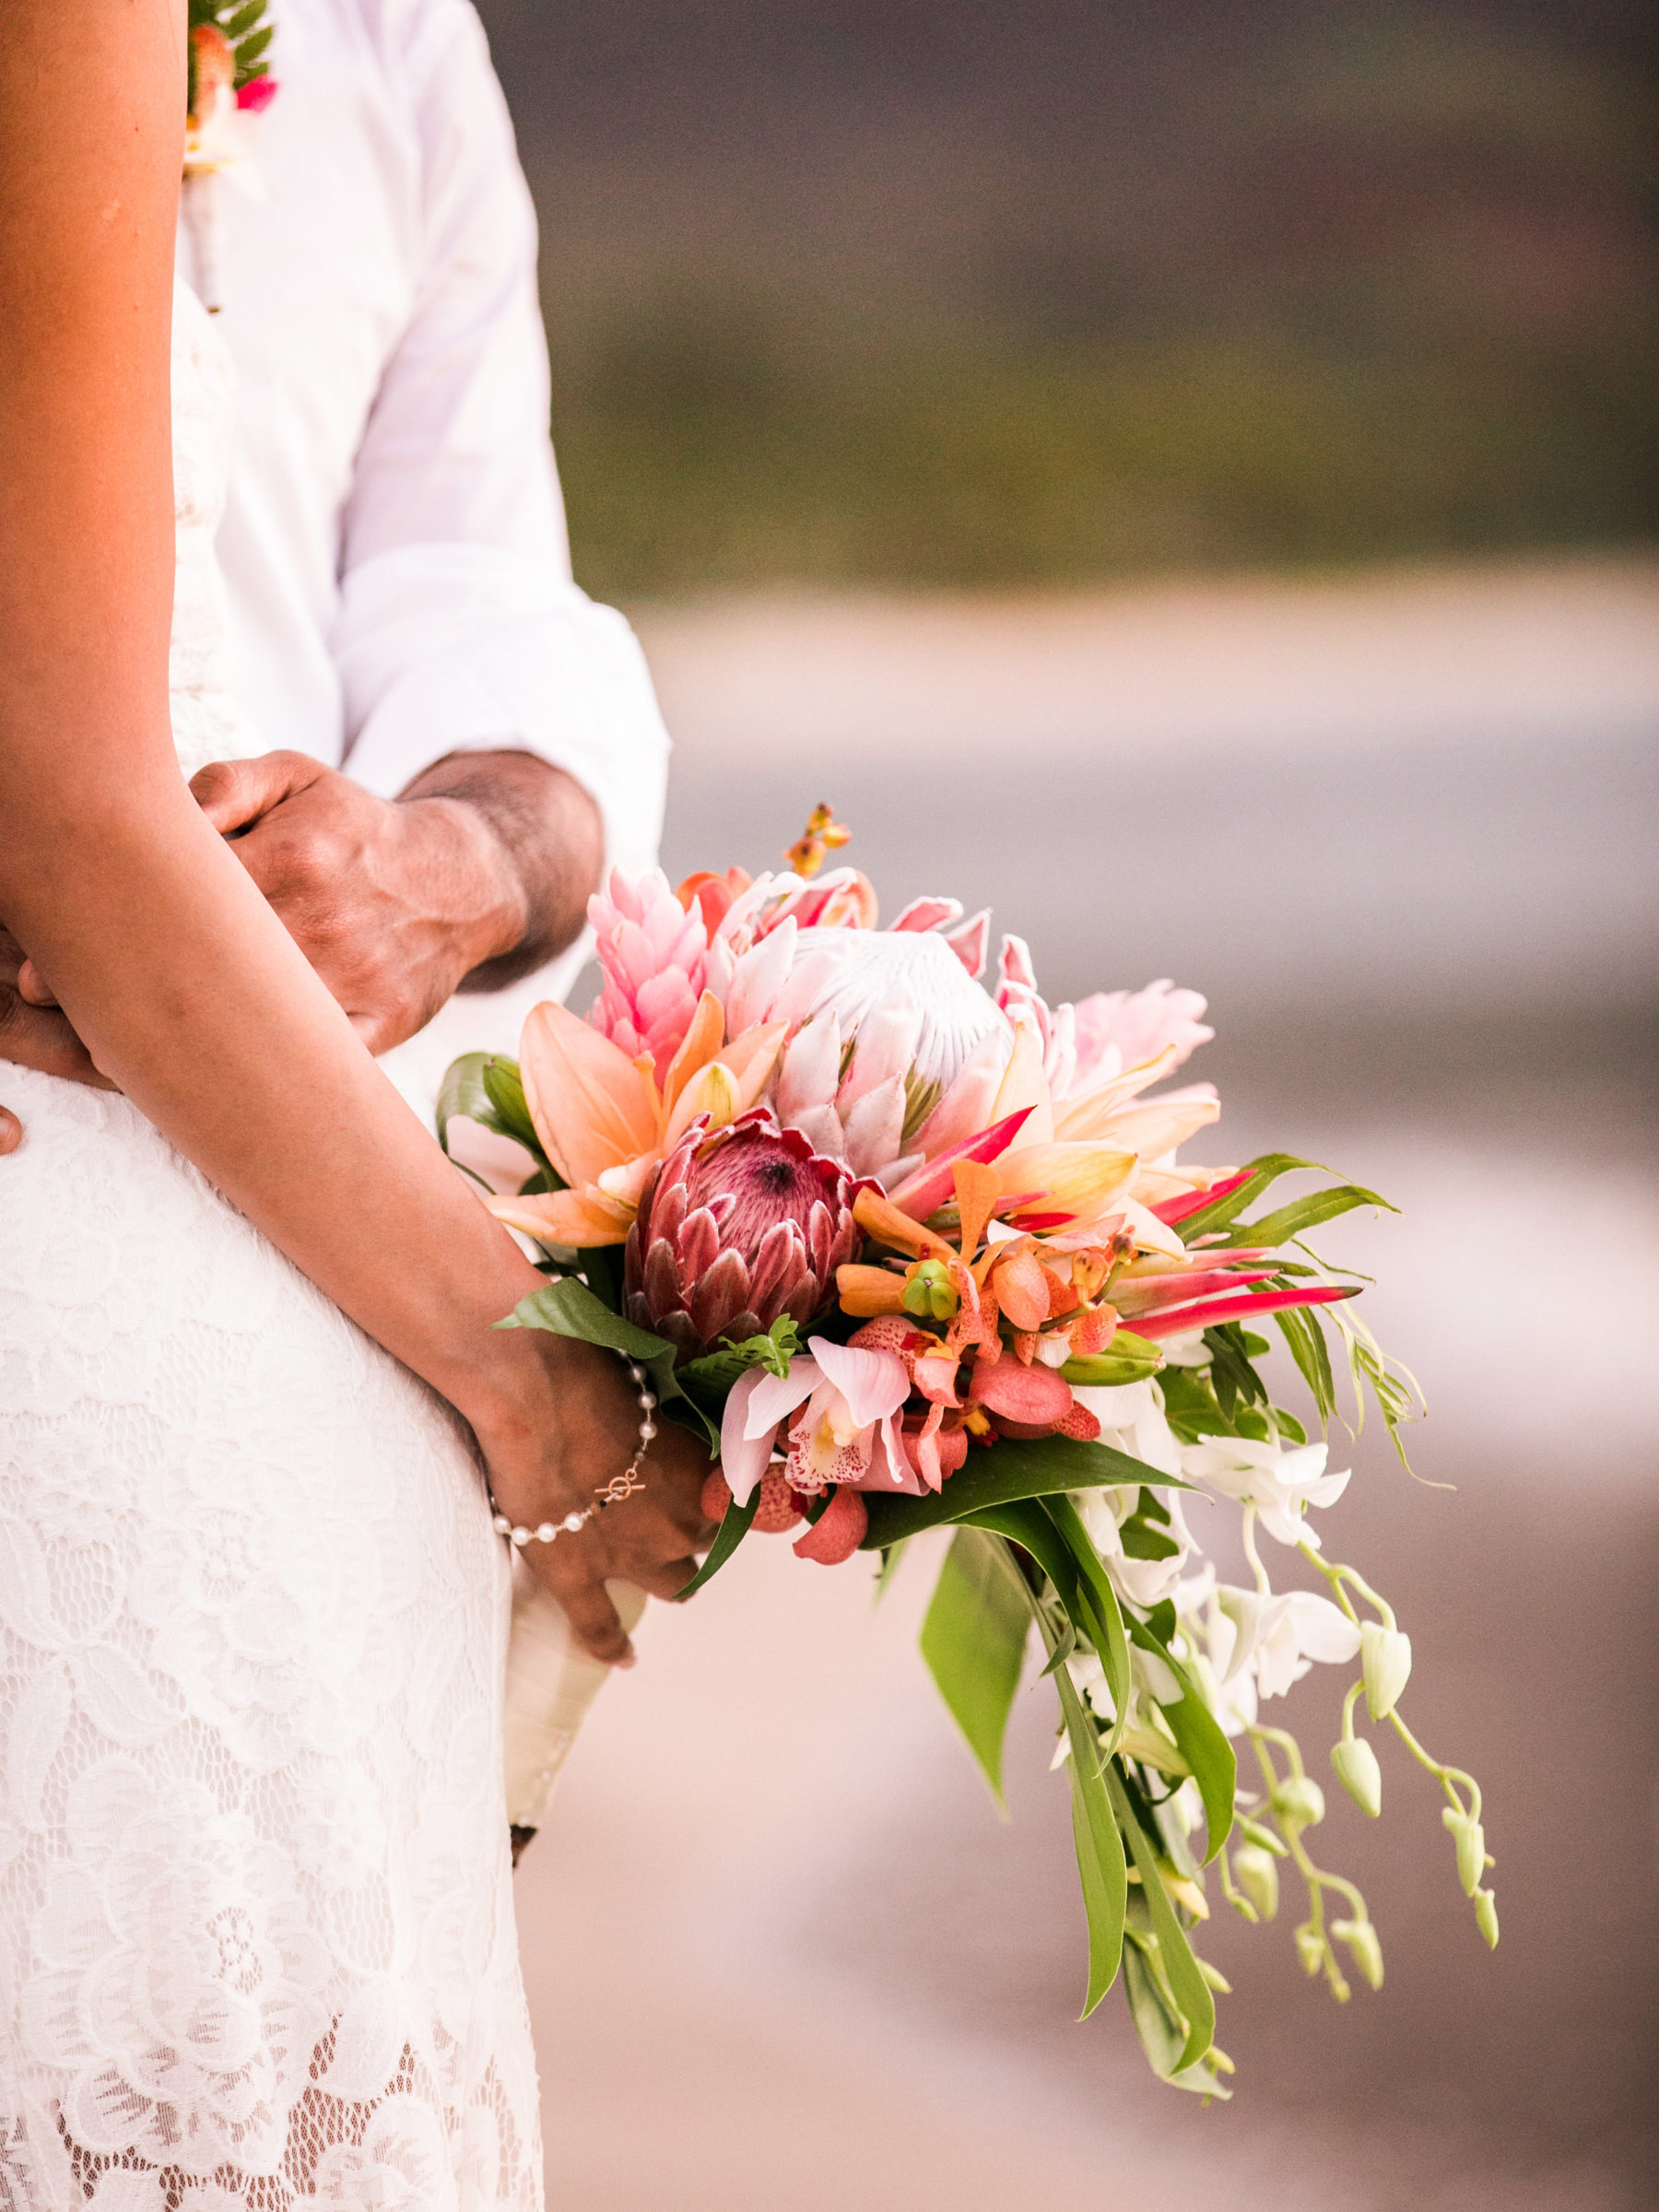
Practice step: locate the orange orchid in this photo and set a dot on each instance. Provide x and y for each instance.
(604, 1121)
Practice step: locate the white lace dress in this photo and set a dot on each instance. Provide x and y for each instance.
(256, 1938)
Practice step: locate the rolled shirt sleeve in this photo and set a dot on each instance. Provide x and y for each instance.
(458, 626)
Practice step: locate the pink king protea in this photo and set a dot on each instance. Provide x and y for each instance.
(737, 1227)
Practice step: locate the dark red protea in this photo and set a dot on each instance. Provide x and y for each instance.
(737, 1227)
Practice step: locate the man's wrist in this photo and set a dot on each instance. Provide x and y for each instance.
(489, 909)
(546, 844)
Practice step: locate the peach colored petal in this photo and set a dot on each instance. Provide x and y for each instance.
(866, 1291)
(751, 1058)
(700, 1043)
(1158, 1126)
(880, 1219)
(583, 1095)
(978, 1187)
(571, 1218)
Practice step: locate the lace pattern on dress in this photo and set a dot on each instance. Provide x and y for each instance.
(256, 1940)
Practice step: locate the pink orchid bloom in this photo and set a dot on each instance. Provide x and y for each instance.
(845, 1432)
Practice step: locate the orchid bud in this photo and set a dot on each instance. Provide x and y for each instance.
(1256, 1873)
(1363, 1948)
(1298, 1801)
(929, 1292)
(1360, 1776)
(1264, 1838)
(1470, 1838)
(1486, 1916)
(1385, 1655)
(1309, 1949)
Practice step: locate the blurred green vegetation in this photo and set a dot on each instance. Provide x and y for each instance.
(1115, 290)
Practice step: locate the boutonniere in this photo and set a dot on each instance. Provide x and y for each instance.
(230, 79)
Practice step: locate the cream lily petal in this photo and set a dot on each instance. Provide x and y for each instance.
(575, 1218)
(626, 1182)
(583, 1094)
(1024, 1084)
(1157, 1127)
(712, 1090)
(1086, 1116)
(1079, 1179)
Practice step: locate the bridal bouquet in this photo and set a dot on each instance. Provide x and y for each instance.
(913, 1251)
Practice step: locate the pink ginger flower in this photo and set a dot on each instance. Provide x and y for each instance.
(655, 955)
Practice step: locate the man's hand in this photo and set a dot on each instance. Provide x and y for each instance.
(478, 873)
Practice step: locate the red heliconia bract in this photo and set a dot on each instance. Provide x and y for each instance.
(737, 1227)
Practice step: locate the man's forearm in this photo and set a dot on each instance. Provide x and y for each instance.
(548, 848)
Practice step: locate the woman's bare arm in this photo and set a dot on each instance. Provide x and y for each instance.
(184, 986)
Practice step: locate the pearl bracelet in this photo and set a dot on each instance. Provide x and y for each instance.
(620, 1486)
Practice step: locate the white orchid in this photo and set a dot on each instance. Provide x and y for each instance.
(1253, 1644)
(1278, 1485)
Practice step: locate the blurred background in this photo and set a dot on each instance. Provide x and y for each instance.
(1184, 476)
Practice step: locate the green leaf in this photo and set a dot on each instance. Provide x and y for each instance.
(1301, 1331)
(1103, 1871)
(1162, 2029)
(973, 1641)
(1104, 1620)
(1127, 1359)
(1302, 1214)
(569, 1308)
(488, 1089)
(1188, 1987)
(238, 21)
(1263, 1171)
(1200, 1740)
(733, 1529)
(1231, 1375)
(251, 48)
(711, 1377)
(888, 1569)
(1010, 1469)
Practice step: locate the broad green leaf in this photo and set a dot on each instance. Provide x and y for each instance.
(1161, 2030)
(1127, 1359)
(487, 1090)
(733, 1529)
(569, 1308)
(973, 1641)
(1191, 1992)
(1010, 1469)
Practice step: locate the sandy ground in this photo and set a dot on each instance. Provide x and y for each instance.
(779, 1950)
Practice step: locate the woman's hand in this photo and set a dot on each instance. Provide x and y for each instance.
(570, 1423)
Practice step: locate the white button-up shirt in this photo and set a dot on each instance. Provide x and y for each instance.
(393, 545)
